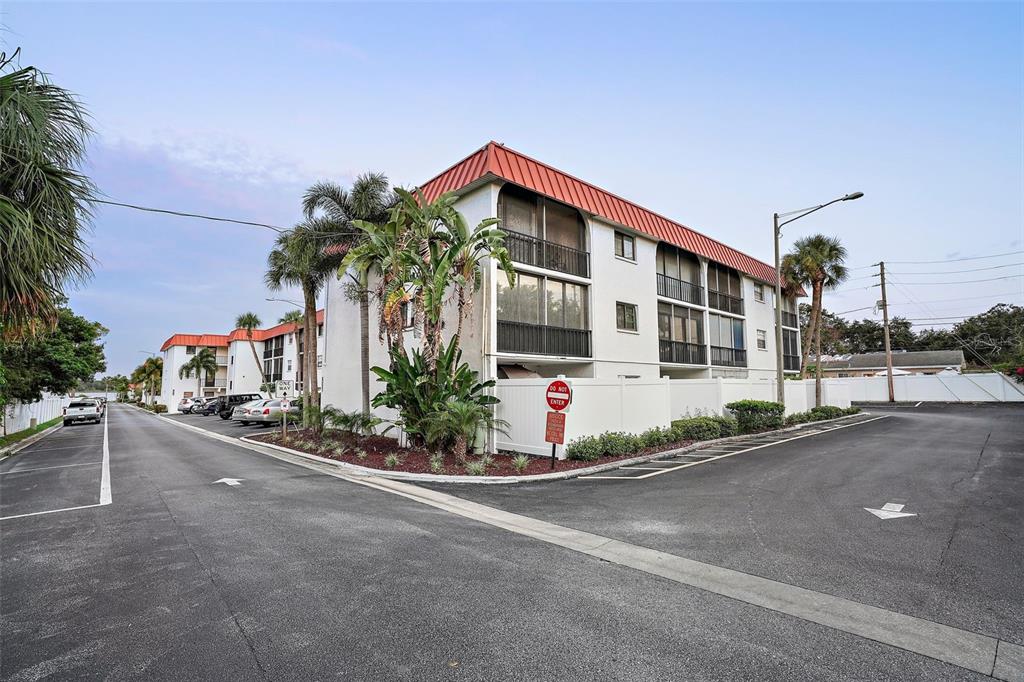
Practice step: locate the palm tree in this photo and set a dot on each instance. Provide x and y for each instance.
(820, 261)
(456, 424)
(204, 362)
(299, 259)
(291, 317)
(249, 322)
(795, 278)
(370, 199)
(149, 375)
(44, 199)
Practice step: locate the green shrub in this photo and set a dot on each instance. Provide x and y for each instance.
(391, 460)
(697, 428)
(826, 412)
(437, 463)
(757, 415)
(799, 418)
(360, 454)
(520, 462)
(585, 448)
(159, 409)
(852, 409)
(652, 438)
(476, 468)
(617, 444)
(727, 426)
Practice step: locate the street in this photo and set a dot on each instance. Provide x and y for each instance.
(200, 559)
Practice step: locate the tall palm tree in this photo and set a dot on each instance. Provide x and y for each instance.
(150, 375)
(820, 260)
(44, 198)
(204, 362)
(299, 259)
(249, 322)
(369, 199)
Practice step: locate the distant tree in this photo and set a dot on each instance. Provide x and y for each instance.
(53, 361)
(291, 317)
(997, 335)
(249, 322)
(44, 198)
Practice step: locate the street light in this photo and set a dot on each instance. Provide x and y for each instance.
(148, 352)
(796, 215)
(285, 300)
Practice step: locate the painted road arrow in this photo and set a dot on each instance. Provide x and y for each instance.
(230, 481)
(889, 510)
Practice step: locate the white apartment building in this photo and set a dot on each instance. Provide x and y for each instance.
(279, 350)
(605, 288)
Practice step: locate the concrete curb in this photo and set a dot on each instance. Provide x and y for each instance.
(534, 478)
(12, 450)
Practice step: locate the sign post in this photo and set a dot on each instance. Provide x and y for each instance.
(284, 417)
(558, 397)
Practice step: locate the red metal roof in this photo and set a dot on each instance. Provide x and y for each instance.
(497, 160)
(222, 340)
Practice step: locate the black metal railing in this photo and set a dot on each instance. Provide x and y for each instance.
(791, 363)
(682, 353)
(541, 339)
(522, 248)
(680, 290)
(728, 357)
(790, 320)
(720, 301)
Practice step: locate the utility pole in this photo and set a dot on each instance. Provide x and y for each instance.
(885, 324)
(780, 384)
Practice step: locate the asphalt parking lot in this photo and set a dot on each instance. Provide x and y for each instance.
(796, 512)
(226, 427)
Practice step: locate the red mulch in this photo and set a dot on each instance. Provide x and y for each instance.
(417, 460)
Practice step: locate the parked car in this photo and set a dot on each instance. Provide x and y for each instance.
(185, 404)
(212, 406)
(233, 401)
(82, 411)
(242, 413)
(197, 404)
(270, 411)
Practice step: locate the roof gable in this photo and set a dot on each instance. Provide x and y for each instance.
(503, 163)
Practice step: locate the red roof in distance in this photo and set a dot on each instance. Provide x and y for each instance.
(222, 340)
(497, 160)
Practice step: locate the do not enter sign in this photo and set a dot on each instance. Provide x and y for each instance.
(559, 395)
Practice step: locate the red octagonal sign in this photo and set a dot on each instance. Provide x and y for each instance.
(559, 395)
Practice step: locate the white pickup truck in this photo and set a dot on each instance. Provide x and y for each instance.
(83, 411)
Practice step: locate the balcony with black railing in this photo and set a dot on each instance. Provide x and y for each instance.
(725, 302)
(790, 320)
(522, 248)
(791, 363)
(670, 287)
(728, 357)
(542, 339)
(682, 353)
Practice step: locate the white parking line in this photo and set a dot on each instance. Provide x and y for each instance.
(56, 466)
(66, 447)
(105, 495)
(730, 454)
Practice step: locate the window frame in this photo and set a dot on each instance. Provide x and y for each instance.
(620, 240)
(759, 292)
(190, 352)
(542, 300)
(626, 307)
(761, 339)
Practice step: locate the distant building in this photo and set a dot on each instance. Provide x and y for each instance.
(903, 362)
(280, 349)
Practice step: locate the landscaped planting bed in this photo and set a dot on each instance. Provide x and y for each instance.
(381, 452)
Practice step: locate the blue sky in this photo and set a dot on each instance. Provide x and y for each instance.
(713, 114)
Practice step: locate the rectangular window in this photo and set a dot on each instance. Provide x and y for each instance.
(679, 323)
(320, 330)
(726, 332)
(231, 359)
(519, 214)
(289, 366)
(625, 246)
(759, 293)
(542, 300)
(625, 316)
(762, 339)
(190, 350)
(789, 342)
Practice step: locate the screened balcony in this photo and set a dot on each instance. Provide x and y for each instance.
(791, 363)
(682, 353)
(542, 339)
(523, 248)
(725, 289)
(670, 287)
(728, 357)
(790, 320)
(542, 232)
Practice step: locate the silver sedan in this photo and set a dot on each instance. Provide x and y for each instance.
(270, 412)
(244, 412)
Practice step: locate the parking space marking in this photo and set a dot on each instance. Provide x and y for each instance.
(105, 492)
(55, 466)
(66, 447)
(660, 471)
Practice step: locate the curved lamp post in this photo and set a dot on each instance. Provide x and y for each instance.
(790, 217)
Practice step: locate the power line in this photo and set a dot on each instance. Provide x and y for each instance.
(275, 228)
(949, 260)
(954, 272)
(968, 298)
(965, 281)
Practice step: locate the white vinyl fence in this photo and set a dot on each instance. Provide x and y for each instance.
(19, 416)
(990, 387)
(598, 405)
(692, 397)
